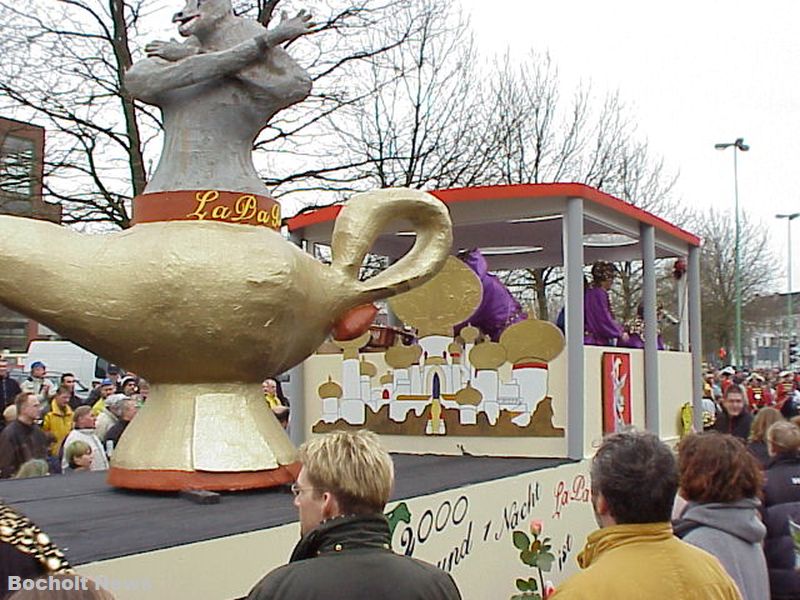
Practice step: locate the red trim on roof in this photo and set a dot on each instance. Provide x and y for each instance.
(321, 215)
(532, 190)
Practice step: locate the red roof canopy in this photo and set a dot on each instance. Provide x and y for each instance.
(523, 216)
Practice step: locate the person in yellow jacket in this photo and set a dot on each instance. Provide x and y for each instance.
(97, 398)
(634, 555)
(58, 420)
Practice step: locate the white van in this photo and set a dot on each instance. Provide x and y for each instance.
(65, 357)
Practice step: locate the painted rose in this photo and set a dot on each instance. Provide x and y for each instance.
(536, 527)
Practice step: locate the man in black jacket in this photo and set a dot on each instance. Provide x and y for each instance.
(23, 439)
(345, 549)
(782, 505)
(9, 388)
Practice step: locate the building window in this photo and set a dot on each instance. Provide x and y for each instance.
(17, 168)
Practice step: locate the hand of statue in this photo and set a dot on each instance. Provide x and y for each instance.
(291, 29)
(172, 50)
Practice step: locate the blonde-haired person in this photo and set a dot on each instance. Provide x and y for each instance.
(757, 442)
(340, 495)
(78, 456)
(36, 467)
(782, 504)
(10, 414)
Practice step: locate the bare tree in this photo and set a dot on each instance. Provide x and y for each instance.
(75, 53)
(302, 152)
(63, 68)
(410, 115)
(758, 272)
(546, 137)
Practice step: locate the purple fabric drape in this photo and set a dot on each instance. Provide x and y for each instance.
(635, 340)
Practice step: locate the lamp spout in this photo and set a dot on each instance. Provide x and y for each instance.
(43, 263)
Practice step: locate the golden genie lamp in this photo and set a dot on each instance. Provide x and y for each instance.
(202, 296)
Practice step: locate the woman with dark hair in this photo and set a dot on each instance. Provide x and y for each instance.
(600, 327)
(757, 442)
(735, 417)
(721, 482)
(782, 505)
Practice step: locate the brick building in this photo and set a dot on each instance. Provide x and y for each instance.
(21, 177)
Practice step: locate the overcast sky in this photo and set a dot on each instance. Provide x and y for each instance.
(693, 73)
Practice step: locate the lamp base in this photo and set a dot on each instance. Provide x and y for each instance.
(164, 481)
(211, 436)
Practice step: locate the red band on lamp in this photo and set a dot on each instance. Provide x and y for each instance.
(207, 205)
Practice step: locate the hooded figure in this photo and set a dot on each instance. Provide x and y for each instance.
(498, 308)
(733, 532)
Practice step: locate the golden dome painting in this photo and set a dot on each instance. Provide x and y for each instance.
(445, 384)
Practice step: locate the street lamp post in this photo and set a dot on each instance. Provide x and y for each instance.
(738, 144)
(789, 313)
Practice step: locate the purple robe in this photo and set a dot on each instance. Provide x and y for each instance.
(636, 341)
(498, 308)
(600, 328)
(636, 336)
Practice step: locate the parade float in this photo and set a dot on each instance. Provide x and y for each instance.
(203, 271)
(531, 392)
(489, 433)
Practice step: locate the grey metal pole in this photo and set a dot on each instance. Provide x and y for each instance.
(683, 326)
(789, 275)
(738, 266)
(789, 310)
(738, 146)
(695, 335)
(573, 318)
(651, 407)
(297, 399)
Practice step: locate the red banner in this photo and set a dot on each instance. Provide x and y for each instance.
(616, 391)
(207, 205)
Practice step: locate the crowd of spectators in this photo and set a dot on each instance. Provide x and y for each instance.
(739, 494)
(48, 428)
(716, 517)
(733, 398)
(50, 424)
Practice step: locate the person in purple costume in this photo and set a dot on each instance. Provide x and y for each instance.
(498, 308)
(600, 327)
